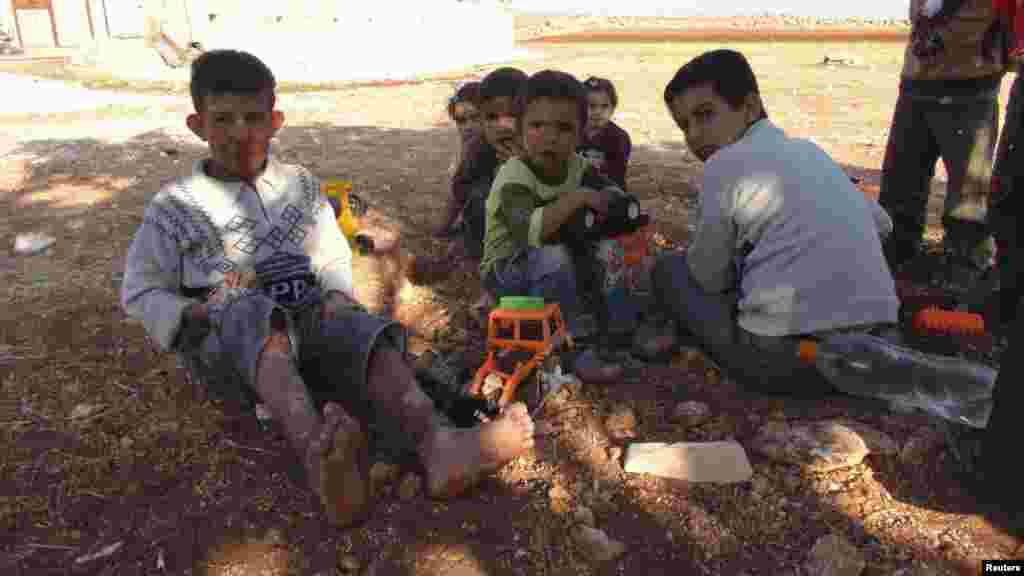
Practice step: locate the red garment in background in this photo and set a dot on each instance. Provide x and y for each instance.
(1015, 16)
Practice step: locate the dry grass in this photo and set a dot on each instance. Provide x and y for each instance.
(104, 442)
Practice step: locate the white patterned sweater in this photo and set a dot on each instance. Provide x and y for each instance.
(197, 229)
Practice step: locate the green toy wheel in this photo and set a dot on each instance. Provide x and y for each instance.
(521, 303)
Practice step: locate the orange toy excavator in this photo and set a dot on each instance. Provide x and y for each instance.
(523, 334)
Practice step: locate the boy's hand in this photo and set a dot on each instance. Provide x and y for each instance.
(334, 302)
(195, 325)
(507, 149)
(197, 313)
(598, 200)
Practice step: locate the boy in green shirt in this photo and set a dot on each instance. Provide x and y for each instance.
(532, 197)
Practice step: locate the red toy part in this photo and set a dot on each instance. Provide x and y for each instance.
(949, 322)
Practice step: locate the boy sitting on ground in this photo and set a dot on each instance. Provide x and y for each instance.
(786, 246)
(482, 154)
(534, 195)
(298, 338)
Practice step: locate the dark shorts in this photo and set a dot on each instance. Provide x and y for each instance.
(333, 356)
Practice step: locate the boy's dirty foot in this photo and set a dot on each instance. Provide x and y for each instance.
(455, 459)
(338, 467)
(591, 369)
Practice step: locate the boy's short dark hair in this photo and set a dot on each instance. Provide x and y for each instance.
(728, 72)
(502, 83)
(595, 84)
(551, 84)
(466, 92)
(229, 72)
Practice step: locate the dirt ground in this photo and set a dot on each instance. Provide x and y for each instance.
(108, 452)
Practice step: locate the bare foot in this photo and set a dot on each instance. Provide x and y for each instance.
(455, 459)
(338, 467)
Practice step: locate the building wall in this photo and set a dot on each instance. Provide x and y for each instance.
(343, 38)
(7, 19)
(72, 22)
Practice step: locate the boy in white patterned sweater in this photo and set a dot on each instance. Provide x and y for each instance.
(241, 267)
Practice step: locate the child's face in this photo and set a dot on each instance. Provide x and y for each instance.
(499, 122)
(709, 122)
(599, 110)
(551, 129)
(238, 129)
(467, 118)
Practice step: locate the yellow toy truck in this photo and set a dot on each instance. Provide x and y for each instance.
(349, 210)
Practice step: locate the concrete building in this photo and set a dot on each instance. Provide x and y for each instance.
(301, 40)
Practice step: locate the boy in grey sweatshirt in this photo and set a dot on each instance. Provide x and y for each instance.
(786, 246)
(241, 268)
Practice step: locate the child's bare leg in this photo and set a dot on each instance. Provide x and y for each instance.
(454, 459)
(332, 448)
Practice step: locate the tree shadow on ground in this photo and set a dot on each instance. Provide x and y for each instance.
(185, 483)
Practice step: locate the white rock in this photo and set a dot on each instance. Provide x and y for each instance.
(85, 410)
(33, 243)
(596, 544)
(691, 413)
(820, 446)
(721, 462)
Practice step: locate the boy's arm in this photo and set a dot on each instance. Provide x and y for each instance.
(552, 217)
(595, 180)
(466, 173)
(618, 159)
(711, 255)
(150, 288)
(331, 256)
(528, 224)
(547, 220)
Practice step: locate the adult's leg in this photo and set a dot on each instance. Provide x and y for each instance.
(1003, 206)
(967, 136)
(763, 364)
(361, 360)
(1000, 437)
(254, 338)
(907, 171)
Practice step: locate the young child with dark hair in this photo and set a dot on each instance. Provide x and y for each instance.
(534, 195)
(482, 154)
(464, 110)
(786, 247)
(483, 151)
(240, 267)
(604, 143)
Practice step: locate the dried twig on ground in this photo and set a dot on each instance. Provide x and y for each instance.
(234, 444)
